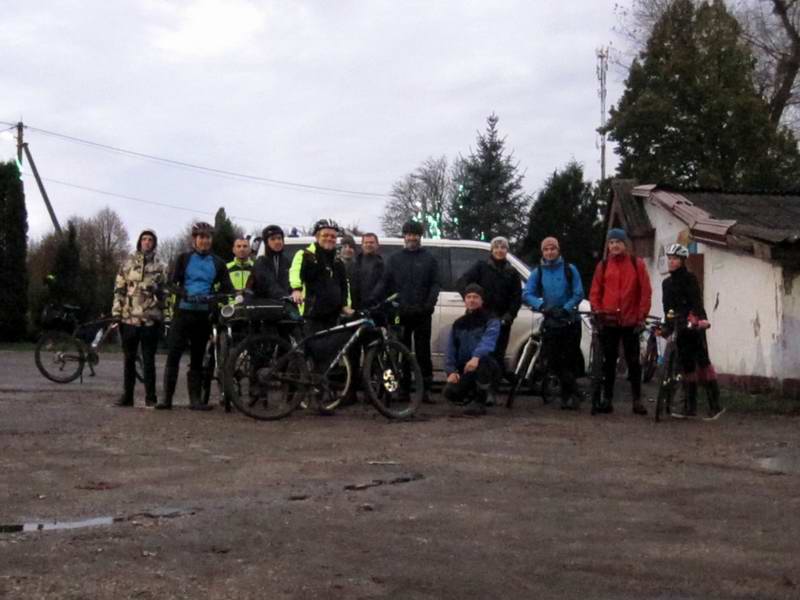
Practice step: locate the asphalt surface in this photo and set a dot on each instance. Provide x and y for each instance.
(529, 503)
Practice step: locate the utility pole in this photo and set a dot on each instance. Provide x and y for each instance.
(22, 148)
(602, 69)
(20, 129)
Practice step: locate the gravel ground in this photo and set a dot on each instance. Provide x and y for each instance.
(531, 503)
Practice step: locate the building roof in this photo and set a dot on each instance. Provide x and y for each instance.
(729, 217)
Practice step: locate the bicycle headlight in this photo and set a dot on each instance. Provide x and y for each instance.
(227, 311)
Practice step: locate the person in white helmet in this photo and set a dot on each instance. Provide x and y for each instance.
(681, 294)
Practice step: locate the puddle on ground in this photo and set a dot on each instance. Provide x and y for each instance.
(780, 463)
(158, 513)
(377, 482)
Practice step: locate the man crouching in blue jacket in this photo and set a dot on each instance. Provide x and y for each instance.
(469, 365)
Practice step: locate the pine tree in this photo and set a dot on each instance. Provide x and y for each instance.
(489, 200)
(691, 114)
(64, 280)
(567, 208)
(224, 235)
(13, 255)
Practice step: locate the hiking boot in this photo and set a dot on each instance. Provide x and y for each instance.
(194, 383)
(638, 407)
(476, 409)
(150, 402)
(427, 398)
(123, 401)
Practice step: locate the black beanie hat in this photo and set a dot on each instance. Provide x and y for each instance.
(474, 288)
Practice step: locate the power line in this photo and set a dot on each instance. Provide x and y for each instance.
(142, 200)
(210, 170)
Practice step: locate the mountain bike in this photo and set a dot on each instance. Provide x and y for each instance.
(275, 318)
(650, 354)
(66, 346)
(267, 377)
(671, 376)
(532, 370)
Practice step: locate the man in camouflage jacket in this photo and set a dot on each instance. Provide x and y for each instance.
(138, 304)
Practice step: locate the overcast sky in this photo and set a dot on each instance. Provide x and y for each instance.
(338, 94)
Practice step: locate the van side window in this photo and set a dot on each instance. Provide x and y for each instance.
(443, 260)
(462, 259)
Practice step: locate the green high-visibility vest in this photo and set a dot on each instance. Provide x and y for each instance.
(239, 272)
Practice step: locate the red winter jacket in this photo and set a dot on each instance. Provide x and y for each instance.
(618, 285)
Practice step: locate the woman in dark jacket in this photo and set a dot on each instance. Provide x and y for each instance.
(682, 297)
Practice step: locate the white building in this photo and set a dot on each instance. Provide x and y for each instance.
(745, 250)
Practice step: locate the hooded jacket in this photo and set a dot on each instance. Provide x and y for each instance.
(621, 288)
(139, 287)
(270, 277)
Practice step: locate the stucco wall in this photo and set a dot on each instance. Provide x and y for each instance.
(755, 326)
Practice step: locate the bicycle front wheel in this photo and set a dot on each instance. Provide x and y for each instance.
(59, 356)
(650, 359)
(522, 369)
(264, 379)
(393, 379)
(667, 386)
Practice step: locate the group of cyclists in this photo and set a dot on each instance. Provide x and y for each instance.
(328, 281)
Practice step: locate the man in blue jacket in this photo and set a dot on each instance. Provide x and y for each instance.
(555, 289)
(197, 273)
(469, 363)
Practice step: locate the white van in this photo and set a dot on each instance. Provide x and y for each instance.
(454, 258)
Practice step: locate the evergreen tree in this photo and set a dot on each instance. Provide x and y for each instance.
(568, 208)
(13, 255)
(489, 200)
(225, 234)
(64, 279)
(691, 115)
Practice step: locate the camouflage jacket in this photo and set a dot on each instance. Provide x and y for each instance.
(139, 291)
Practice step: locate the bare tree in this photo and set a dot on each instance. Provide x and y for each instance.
(423, 195)
(772, 28)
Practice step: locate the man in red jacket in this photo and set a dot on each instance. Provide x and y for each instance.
(621, 293)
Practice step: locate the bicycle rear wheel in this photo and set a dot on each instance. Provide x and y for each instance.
(59, 356)
(265, 379)
(650, 359)
(393, 379)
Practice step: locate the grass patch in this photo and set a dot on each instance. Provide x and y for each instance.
(741, 402)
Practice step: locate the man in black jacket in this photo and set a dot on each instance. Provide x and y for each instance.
(197, 273)
(413, 273)
(367, 272)
(270, 278)
(503, 291)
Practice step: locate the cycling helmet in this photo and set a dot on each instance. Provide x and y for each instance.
(202, 227)
(325, 224)
(271, 230)
(413, 227)
(677, 250)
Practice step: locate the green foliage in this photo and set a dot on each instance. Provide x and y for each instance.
(489, 198)
(691, 115)
(64, 279)
(13, 254)
(225, 233)
(569, 209)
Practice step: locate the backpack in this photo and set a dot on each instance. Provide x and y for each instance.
(538, 289)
